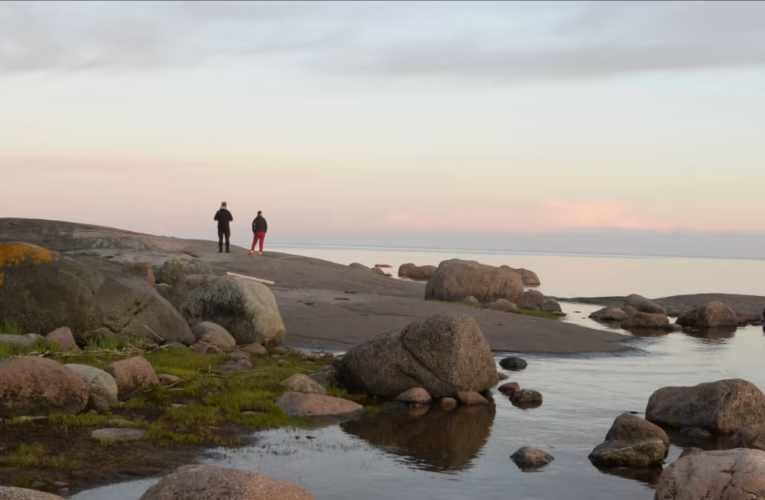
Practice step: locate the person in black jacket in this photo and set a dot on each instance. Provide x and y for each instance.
(259, 228)
(224, 218)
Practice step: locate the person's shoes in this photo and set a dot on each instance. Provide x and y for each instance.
(251, 252)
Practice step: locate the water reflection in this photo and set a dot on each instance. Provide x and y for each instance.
(431, 439)
(713, 334)
(648, 476)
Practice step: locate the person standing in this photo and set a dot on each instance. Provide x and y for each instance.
(259, 228)
(224, 218)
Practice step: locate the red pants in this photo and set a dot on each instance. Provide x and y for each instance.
(259, 236)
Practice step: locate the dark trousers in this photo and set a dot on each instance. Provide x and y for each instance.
(221, 233)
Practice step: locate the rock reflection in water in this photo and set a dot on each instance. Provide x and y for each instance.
(713, 333)
(648, 476)
(429, 439)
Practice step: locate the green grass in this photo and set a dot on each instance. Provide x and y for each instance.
(31, 456)
(9, 328)
(538, 314)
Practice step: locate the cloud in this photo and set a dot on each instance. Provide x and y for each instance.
(597, 214)
(483, 41)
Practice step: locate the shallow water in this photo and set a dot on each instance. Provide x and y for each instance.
(466, 454)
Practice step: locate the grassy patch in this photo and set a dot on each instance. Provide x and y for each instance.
(538, 314)
(27, 456)
(9, 328)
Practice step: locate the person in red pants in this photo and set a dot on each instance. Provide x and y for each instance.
(259, 228)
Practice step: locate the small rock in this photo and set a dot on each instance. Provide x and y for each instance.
(281, 351)
(298, 404)
(102, 388)
(628, 427)
(204, 348)
(416, 395)
(503, 376)
(529, 457)
(165, 379)
(526, 398)
(276, 356)
(63, 337)
(551, 305)
(30, 385)
(695, 433)
(303, 383)
(172, 346)
(176, 405)
(513, 363)
(134, 376)
(239, 355)
(210, 333)
(448, 404)
(239, 365)
(470, 398)
(393, 406)
(503, 305)
(306, 355)
(255, 348)
(472, 301)
(118, 434)
(509, 388)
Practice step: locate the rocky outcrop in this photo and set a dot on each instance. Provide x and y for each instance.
(33, 386)
(531, 300)
(530, 458)
(42, 290)
(610, 315)
(502, 305)
(305, 384)
(715, 475)
(102, 389)
(247, 309)
(9, 493)
(416, 273)
(722, 407)
(208, 332)
(643, 304)
(444, 355)
(639, 453)
(177, 268)
(298, 404)
(639, 321)
(751, 436)
(456, 279)
(629, 427)
(529, 278)
(133, 376)
(207, 482)
(712, 315)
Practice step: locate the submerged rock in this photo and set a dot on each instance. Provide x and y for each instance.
(513, 363)
(207, 482)
(102, 389)
(509, 388)
(715, 475)
(751, 436)
(526, 398)
(642, 320)
(134, 376)
(713, 315)
(297, 404)
(443, 354)
(246, 309)
(471, 398)
(448, 404)
(529, 457)
(455, 279)
(35, 386)
(722, 407)
(643, 304)
(610, 315)
(638, 453)
(627, 427)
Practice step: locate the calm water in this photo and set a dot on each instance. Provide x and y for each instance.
(465, 454)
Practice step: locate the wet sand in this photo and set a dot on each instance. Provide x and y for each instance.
(311, 293)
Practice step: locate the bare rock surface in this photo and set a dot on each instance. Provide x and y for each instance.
(10, 493)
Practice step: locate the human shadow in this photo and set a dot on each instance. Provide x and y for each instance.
(434, 440)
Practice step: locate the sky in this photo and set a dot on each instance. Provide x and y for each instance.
(546, 126)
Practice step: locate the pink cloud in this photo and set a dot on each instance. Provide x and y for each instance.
(595, 214)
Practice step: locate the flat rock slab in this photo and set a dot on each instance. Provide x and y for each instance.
(297, 404)
(118, 434)
(7, 493)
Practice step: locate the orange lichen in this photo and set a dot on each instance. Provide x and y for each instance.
(14, 254)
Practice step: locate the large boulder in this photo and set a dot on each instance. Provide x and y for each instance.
(42, 290)
(174, 269)
(33, 386)
(653, 321)
(456, 279)
(751, 436)
(297, 404)
(643, 304)
(10, 493)
(443, 354)
(212, 334)
(207, 482)
(133, 376)
(531, 300)
(722, 407)
(102, 389)
(638, 453)
(628, 427)
(529, 278)
(713, 315)
(610, 315)
(247, 309)
(715, 475)
(416, 273)
(183, 287)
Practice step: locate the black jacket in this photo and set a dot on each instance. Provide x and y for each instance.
(259, 225)
(223, 216)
